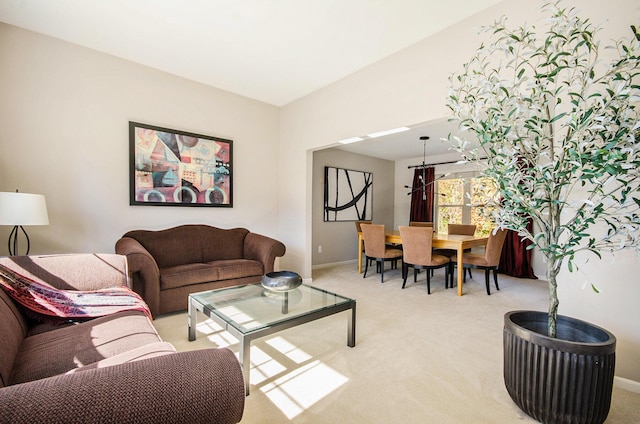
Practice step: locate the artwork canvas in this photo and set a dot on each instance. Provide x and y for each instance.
(177, 168)
(348, 195)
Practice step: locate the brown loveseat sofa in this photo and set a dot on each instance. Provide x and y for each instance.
(112, 369)
(167, 265)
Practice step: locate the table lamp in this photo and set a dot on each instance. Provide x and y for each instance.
(19, 209)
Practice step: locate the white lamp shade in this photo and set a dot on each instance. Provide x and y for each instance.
(23, 209)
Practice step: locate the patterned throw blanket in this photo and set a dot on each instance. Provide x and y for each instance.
(41, 298)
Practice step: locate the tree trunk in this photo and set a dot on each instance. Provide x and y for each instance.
(553, 266)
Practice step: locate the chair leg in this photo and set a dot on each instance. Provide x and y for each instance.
(486, 280)
(415, 274)
(382, 271)
(405, 271)
(428, 281)
(366, 266)
(446, 276)
(469, 269)
(495, 278)
(454, 277)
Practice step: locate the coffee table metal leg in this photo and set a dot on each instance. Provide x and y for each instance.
(351, 329)
(191, 318)
(245, 361)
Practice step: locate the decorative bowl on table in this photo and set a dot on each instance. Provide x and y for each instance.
(281, 281)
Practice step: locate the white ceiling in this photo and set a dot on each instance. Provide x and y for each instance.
(274, 51)
(407, 144)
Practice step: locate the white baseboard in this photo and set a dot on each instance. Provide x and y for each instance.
(626, 384)
(354, 261)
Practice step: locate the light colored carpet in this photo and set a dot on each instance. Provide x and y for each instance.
(418, 358)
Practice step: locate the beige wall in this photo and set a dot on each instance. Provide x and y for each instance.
(338, 239)
(64, 113)
(409, 88)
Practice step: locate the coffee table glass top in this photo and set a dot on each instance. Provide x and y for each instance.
(252, 307)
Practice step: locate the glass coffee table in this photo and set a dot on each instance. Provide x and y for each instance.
(250, 312)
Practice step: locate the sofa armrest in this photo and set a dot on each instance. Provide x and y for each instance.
(263, 249)
(145, 275)
(201, 386)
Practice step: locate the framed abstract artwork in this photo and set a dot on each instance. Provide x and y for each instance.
(348, 195)
(177, 168)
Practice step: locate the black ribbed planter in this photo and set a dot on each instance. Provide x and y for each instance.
(568, 379)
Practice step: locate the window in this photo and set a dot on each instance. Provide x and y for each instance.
(462, 200)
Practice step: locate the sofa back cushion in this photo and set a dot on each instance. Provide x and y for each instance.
(13, 330)
(218, 244)
(76, 271)
(187, 244)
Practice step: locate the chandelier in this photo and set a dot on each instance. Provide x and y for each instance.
(422, 185)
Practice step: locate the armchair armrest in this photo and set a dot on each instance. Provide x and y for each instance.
(201, 386)
(263, 249)
(145, 275)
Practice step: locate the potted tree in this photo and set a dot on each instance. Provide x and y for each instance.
(557, 129)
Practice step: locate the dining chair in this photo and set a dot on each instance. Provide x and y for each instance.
(462, 230)
(420, 224)
(488, 261)
(418, 254)
(376, 249)
(359, 229)
(359, 225)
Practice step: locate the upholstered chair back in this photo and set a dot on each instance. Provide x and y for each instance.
(461, 229)
(374, 245)
(416, 244)
(493, 249)
(359, 225)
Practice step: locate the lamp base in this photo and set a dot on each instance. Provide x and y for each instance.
(13, 240)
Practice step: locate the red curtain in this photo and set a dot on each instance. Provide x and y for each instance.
(422, 194)
(516, 258)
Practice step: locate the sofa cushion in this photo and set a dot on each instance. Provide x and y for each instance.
(58, 351)
(238, 268)
(143, 352)
(184, 275)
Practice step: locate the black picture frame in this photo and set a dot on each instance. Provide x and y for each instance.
(348, 195)
(178, 168)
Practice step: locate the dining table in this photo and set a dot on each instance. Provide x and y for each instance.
(456, 242)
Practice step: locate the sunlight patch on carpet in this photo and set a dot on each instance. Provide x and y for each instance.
(301, 388)
(288, 349)
(213, 332)
(288, 376)
(263, 366)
